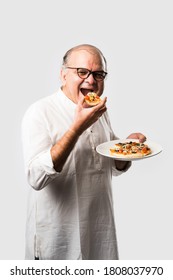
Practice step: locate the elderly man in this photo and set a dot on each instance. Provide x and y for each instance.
(70, 209)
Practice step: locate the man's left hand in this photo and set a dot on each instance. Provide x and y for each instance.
(142, 138)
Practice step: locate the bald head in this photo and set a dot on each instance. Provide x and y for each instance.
(85, 47)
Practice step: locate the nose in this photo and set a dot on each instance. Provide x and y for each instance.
(90, 79)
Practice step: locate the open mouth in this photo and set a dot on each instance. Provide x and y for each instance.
(85, 91)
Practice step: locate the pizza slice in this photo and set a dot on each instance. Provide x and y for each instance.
(92, 99)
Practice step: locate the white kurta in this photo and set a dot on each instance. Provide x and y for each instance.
(70, 214)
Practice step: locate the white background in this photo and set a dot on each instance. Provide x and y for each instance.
(136, 37)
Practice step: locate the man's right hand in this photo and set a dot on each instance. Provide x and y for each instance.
(86, 116)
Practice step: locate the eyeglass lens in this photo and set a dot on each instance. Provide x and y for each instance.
(84, 74)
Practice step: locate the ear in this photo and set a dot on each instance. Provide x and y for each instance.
(63, 76)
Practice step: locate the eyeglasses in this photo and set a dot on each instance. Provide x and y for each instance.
(84, 73)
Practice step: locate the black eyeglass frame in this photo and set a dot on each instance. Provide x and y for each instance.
(103, 74)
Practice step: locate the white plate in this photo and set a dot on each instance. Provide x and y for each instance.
(103, 149)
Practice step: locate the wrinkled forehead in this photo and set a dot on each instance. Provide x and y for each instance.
(82, 57)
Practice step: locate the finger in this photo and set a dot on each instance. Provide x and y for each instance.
(103, 101)
(101, 105)
(142, 138)
(81, 100)
(103, 109)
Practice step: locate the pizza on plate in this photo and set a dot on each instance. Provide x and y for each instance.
(130, 149)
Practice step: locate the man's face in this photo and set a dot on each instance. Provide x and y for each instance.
(74, 86)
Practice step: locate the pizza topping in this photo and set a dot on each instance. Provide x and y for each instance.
(92, 98)
(131, 149)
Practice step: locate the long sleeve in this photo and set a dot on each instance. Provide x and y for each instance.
(36, 148)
